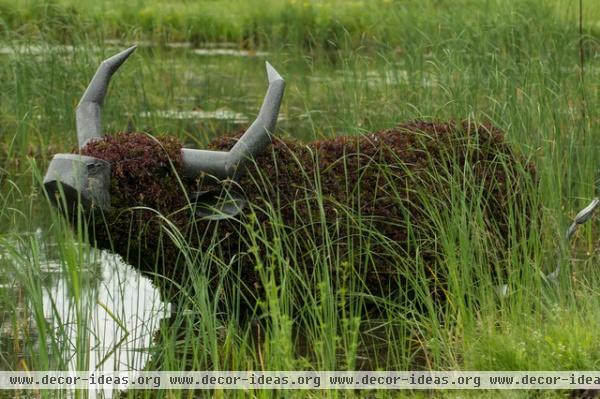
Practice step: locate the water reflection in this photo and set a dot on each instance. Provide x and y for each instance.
(125, 314)
(109, 328)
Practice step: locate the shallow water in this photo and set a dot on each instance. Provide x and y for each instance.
(220, 114)
(214, 49)
(118, 312)
(128, 309)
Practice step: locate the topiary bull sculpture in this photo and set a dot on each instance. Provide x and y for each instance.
(357, 200)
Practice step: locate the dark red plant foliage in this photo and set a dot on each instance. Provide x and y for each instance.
(142, 168)
(382, 176)
(144, 184)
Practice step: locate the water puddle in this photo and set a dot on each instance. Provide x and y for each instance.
(390, 77)
(399, 76)
(575, 70)
(219, 114)
(35, 49)
(115, 318)
(148, 43)
(126, 313)
(211, 49)
(229, 52)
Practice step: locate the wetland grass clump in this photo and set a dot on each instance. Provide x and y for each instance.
(365, 201)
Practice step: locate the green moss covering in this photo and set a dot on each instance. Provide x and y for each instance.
(383, 177)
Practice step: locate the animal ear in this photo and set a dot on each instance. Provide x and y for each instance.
(218, 204)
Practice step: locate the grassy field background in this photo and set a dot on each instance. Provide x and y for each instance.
(330, 24)
(351, 67)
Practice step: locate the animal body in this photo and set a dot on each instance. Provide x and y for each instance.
(255, 200)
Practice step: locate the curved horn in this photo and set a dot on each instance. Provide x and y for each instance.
(89, 124)
(225, 165)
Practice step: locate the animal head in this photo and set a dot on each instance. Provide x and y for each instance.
(78, 180)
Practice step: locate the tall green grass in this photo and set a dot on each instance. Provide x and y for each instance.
(515, 63)
(329, 24)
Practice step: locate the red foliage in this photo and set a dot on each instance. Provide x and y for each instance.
(381, 176)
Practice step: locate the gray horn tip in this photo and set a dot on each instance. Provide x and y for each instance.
(117, 59)
(272, 74)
